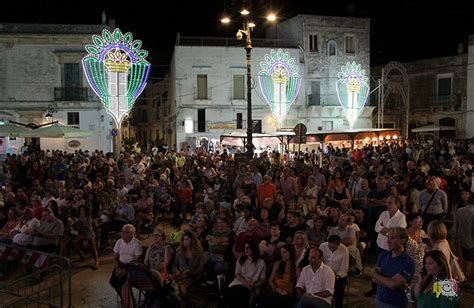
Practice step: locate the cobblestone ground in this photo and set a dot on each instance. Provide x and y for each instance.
(92, 289)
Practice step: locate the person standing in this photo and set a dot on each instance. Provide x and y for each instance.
(336, 256)
(464, 233)
(433, 203)
(393, 271)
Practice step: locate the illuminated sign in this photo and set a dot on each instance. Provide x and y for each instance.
(352, 90)
(116, 70)
(279, 82)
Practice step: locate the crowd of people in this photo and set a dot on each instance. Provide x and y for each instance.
(277, 230)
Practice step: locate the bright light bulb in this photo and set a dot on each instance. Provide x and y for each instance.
(271, 17)
(225, 20)
(251, 25)
(244, 12)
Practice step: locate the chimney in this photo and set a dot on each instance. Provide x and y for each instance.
(460, 48)
(112, 23)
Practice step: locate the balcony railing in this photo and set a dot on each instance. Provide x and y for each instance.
(71, 94)
(445, 100)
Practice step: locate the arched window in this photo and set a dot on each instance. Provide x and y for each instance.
(447, 122)
(332, 48)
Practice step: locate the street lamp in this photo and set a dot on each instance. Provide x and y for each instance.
(49, 113)
(241, 33)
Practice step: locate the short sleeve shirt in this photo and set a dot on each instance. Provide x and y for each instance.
(390, 266)
(128, 251)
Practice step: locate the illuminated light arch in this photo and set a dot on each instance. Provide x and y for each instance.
(279, 82)
(352, 90)
(116, 69)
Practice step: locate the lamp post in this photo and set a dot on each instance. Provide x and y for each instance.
(49, 113)
(246, 31)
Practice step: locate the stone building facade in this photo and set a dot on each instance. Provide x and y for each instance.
(207, 89)
(438, 95)
(41, 70)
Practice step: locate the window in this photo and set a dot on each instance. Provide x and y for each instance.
(445, 83)
(332, 48)
(239, 120)
(327, 125)
(201, 86)
(350, 44)
(239, 87)
(201, 120)
(73, 119)
(313, 43)
(314, 98)
(257, 126)
(72, 75)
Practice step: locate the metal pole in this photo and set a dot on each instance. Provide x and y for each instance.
(383, 101)
(248, 49)
(378, 102)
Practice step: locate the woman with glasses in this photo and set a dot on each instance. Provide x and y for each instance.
(249, 276)
(159, 254)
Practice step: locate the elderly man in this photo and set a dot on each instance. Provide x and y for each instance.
(127, 249)
(336, 256)
(393, 271)
(348, 237)
(252, 232)
(315, 285)
(433, 203)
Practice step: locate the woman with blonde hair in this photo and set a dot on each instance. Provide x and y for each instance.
(300, 241)
(437, 233)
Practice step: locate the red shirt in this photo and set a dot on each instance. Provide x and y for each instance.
(266, 191)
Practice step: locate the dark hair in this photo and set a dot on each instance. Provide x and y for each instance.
(281, 266)
(441, 261)
(411, 217)
(335, 239)
(253, 246)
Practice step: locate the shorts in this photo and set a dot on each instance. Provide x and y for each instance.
(467, 254)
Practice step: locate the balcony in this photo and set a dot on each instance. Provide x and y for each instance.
(70, 94)
(445, 101)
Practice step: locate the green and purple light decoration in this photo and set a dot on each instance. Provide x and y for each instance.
(352, 90)
(279, 82)
(116, 53)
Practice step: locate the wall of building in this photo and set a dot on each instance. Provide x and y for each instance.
(32, 66)
(469, 117)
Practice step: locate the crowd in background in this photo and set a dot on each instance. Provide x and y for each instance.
(276, 230)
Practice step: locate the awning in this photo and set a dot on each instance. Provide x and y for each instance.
(432, 128)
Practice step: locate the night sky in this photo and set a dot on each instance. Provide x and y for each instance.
(401, 30)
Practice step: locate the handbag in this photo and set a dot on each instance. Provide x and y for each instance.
(456, 271)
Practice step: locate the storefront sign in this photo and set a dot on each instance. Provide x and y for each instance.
(221, 125)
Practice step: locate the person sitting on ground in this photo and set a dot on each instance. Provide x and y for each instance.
(126, 250)
(47, 234)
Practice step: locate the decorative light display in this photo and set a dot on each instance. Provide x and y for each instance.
(116, 70)
(352, 90)
(279, 82)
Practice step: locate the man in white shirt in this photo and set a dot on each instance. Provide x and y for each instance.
(23, 233)
(348, 237)
(336, 256)
(315, 285)
(127, 249)
(391, 218)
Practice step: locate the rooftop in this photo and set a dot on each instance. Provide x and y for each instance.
(50, 28)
